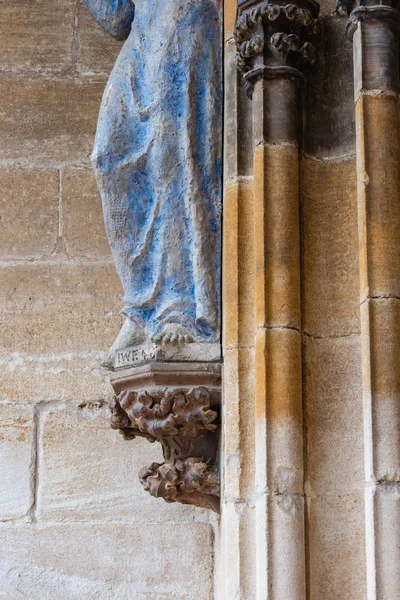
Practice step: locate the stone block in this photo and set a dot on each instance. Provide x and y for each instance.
(29, 212)
(16, 438)
(238, 438)
(140, 561)
(379, 182)
(238, 279)
(59, 307)
(276, 236)
(238, 133)
(387, 541)
(230, 8)
(330, 247)
(89, 472)
(381, 319)
(36, 35)
(327, 7)
(237, 577)
(48, 120)
(31, 378)
(82, 215)
(287, 552)
(97, 50)
(334, 415)
(336, 542)
(329, 125)
(278, 377)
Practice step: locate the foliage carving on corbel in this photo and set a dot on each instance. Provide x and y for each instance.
(185, 424)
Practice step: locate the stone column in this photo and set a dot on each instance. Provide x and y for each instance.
(375, 34)
(238, 551)
(273, 43)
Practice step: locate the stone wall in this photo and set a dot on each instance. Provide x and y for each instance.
(75, 522)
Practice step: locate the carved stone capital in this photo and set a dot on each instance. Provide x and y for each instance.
(275, 39)
(365, 11)
(184, 420)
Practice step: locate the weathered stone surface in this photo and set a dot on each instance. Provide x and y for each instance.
(59, 125)
(387, 537)
(329, 127)
(36, 35)
(97, 50)
(238, 568)
(54, 308)
(336, 542)
(82, 215)
(29, 212)
(16, 438)
(379, 182)
(143, 353)
(330, 247)
(286, 527)
(327, 7)
(238, 438)
(276, 236)
(88, 472)
(230, 9)
(334, 415)
(73, 561)
(166, 374)
(30, 378)
(381, 324)
(238, 253)
(238, 146)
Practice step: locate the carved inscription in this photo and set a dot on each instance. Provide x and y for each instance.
(152, 352)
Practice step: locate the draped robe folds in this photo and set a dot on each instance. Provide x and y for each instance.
(157, 158)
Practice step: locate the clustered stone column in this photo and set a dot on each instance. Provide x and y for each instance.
(275, 42)
(374, 30)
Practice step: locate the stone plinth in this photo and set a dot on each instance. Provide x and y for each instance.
(176, 404)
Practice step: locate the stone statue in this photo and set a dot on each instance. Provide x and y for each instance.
(157, 158)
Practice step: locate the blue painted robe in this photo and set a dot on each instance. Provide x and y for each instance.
(157, 158)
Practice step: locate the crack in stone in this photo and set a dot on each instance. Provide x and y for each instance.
(382, 297)
(331, 337)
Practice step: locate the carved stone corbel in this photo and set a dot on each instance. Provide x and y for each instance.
(176, 405)
(275, 40)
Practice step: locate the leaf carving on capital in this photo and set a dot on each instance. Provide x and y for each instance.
(275, 40)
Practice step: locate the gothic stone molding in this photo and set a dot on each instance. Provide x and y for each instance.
(275, 39)
(184, 420)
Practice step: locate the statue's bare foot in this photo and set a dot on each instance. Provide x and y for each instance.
(131, 334)
(173, 333)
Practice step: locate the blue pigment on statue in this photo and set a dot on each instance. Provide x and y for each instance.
(157, 158)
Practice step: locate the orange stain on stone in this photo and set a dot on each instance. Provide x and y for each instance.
(230, 7)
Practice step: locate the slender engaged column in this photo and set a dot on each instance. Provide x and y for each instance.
(274, 41)
(278, 402)
(375, 34)
(238, 551)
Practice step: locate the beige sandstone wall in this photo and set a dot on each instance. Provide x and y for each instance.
(75, 522)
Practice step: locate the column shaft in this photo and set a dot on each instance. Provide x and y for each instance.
(237, 509)
(278, 400)
(378, 178)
